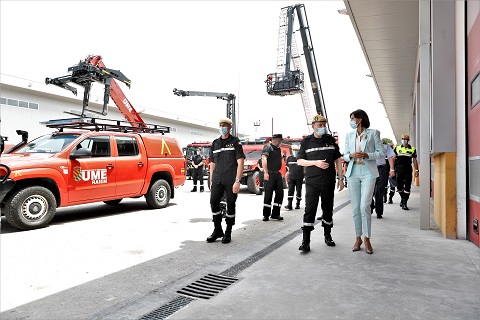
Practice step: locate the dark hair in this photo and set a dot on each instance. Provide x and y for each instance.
(360, 114)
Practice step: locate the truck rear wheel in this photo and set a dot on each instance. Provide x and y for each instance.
(159, 194)
(30, 208)
(253, 183)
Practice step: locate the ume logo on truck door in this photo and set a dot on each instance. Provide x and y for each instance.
(97, 176)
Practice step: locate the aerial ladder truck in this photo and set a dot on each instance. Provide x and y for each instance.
(229, 97)
(289, 82)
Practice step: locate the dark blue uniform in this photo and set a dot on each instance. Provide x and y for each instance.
(320, 183)
(197, 173)
(274, 183)
(224, 153)
(295, 181)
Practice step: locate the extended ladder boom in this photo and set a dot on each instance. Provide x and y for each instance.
(92, 69)
(288, 81)
(229, 97)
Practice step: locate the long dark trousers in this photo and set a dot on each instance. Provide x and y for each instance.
(216, 194)
(315, 192)
(197, 174)
(274, 183)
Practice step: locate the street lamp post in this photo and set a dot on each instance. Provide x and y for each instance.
(256, 124)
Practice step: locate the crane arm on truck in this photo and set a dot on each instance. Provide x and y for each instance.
(92, 69)
(229, 97)
(288, 82)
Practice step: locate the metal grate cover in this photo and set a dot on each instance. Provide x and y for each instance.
(207, 287)
(168, 309)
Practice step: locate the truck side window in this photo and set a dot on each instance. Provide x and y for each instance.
(126, 146)
(99, 146)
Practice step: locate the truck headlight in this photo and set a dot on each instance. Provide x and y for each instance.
(246, 167)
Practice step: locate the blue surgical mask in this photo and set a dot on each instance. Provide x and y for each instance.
(321, 131)
(223, 130)
(294, 153)
(404, 141)
(353, 124)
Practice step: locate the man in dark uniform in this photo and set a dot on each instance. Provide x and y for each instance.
(272, 178)
(295, 178)
(226, 169)
(384, 171)
(319, 154)
(197, 173)
(405, 153)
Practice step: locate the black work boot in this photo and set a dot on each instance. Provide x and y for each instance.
(327, 231)
(289, 205)
(228, 235)
(217, 231)
(305, 246)
(390, 198)
(404, 207)
(194, 189)
(201, 188)
(298, 205)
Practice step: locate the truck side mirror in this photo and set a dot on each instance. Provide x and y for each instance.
(81, 153)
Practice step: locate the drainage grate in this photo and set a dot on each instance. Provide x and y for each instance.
(207, 287)
(168, 309)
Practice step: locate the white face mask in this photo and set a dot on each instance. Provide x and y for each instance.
(404, 142)
(223, 131)
(321, 131)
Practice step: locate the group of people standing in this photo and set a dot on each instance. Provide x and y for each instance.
(318, 160)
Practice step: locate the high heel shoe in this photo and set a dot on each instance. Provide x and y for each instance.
(368, 245)
(358, 243)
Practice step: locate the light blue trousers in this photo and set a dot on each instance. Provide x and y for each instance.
(361, 185)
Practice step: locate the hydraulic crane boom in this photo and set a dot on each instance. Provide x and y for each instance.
(92, 69)
(286, 81)
(229, 97)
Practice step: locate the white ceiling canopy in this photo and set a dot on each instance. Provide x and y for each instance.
(388, 35)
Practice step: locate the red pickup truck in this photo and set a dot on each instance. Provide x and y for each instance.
(77, 167)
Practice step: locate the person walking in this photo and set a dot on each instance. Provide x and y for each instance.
(392, 181)
(197, 173)
(295, 178)
(381, 182)
(405, 154)
(362, 148)
(226, 169)
(272, 178)
(319, 154)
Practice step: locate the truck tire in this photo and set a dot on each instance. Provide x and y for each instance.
(30, 208)
(253, 183)
(159, 194)
(113, 202)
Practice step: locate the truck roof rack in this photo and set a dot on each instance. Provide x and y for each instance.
(99, 124)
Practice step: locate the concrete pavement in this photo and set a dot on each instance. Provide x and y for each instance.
(413, 274)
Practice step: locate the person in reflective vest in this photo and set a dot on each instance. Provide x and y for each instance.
(405, 153)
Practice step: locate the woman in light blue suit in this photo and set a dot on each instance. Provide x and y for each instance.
(362, 147)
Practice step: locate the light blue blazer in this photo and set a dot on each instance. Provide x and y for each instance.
(371, 144)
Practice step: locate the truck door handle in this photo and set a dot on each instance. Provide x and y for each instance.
(140, 164)
(110, 166)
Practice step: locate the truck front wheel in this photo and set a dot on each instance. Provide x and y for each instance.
(30, 208)
(159, 194)
(253, 183)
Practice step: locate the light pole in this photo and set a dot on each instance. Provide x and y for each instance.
(256, 124)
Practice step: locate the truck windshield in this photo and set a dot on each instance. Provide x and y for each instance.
(254, 154)
(48, 144)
